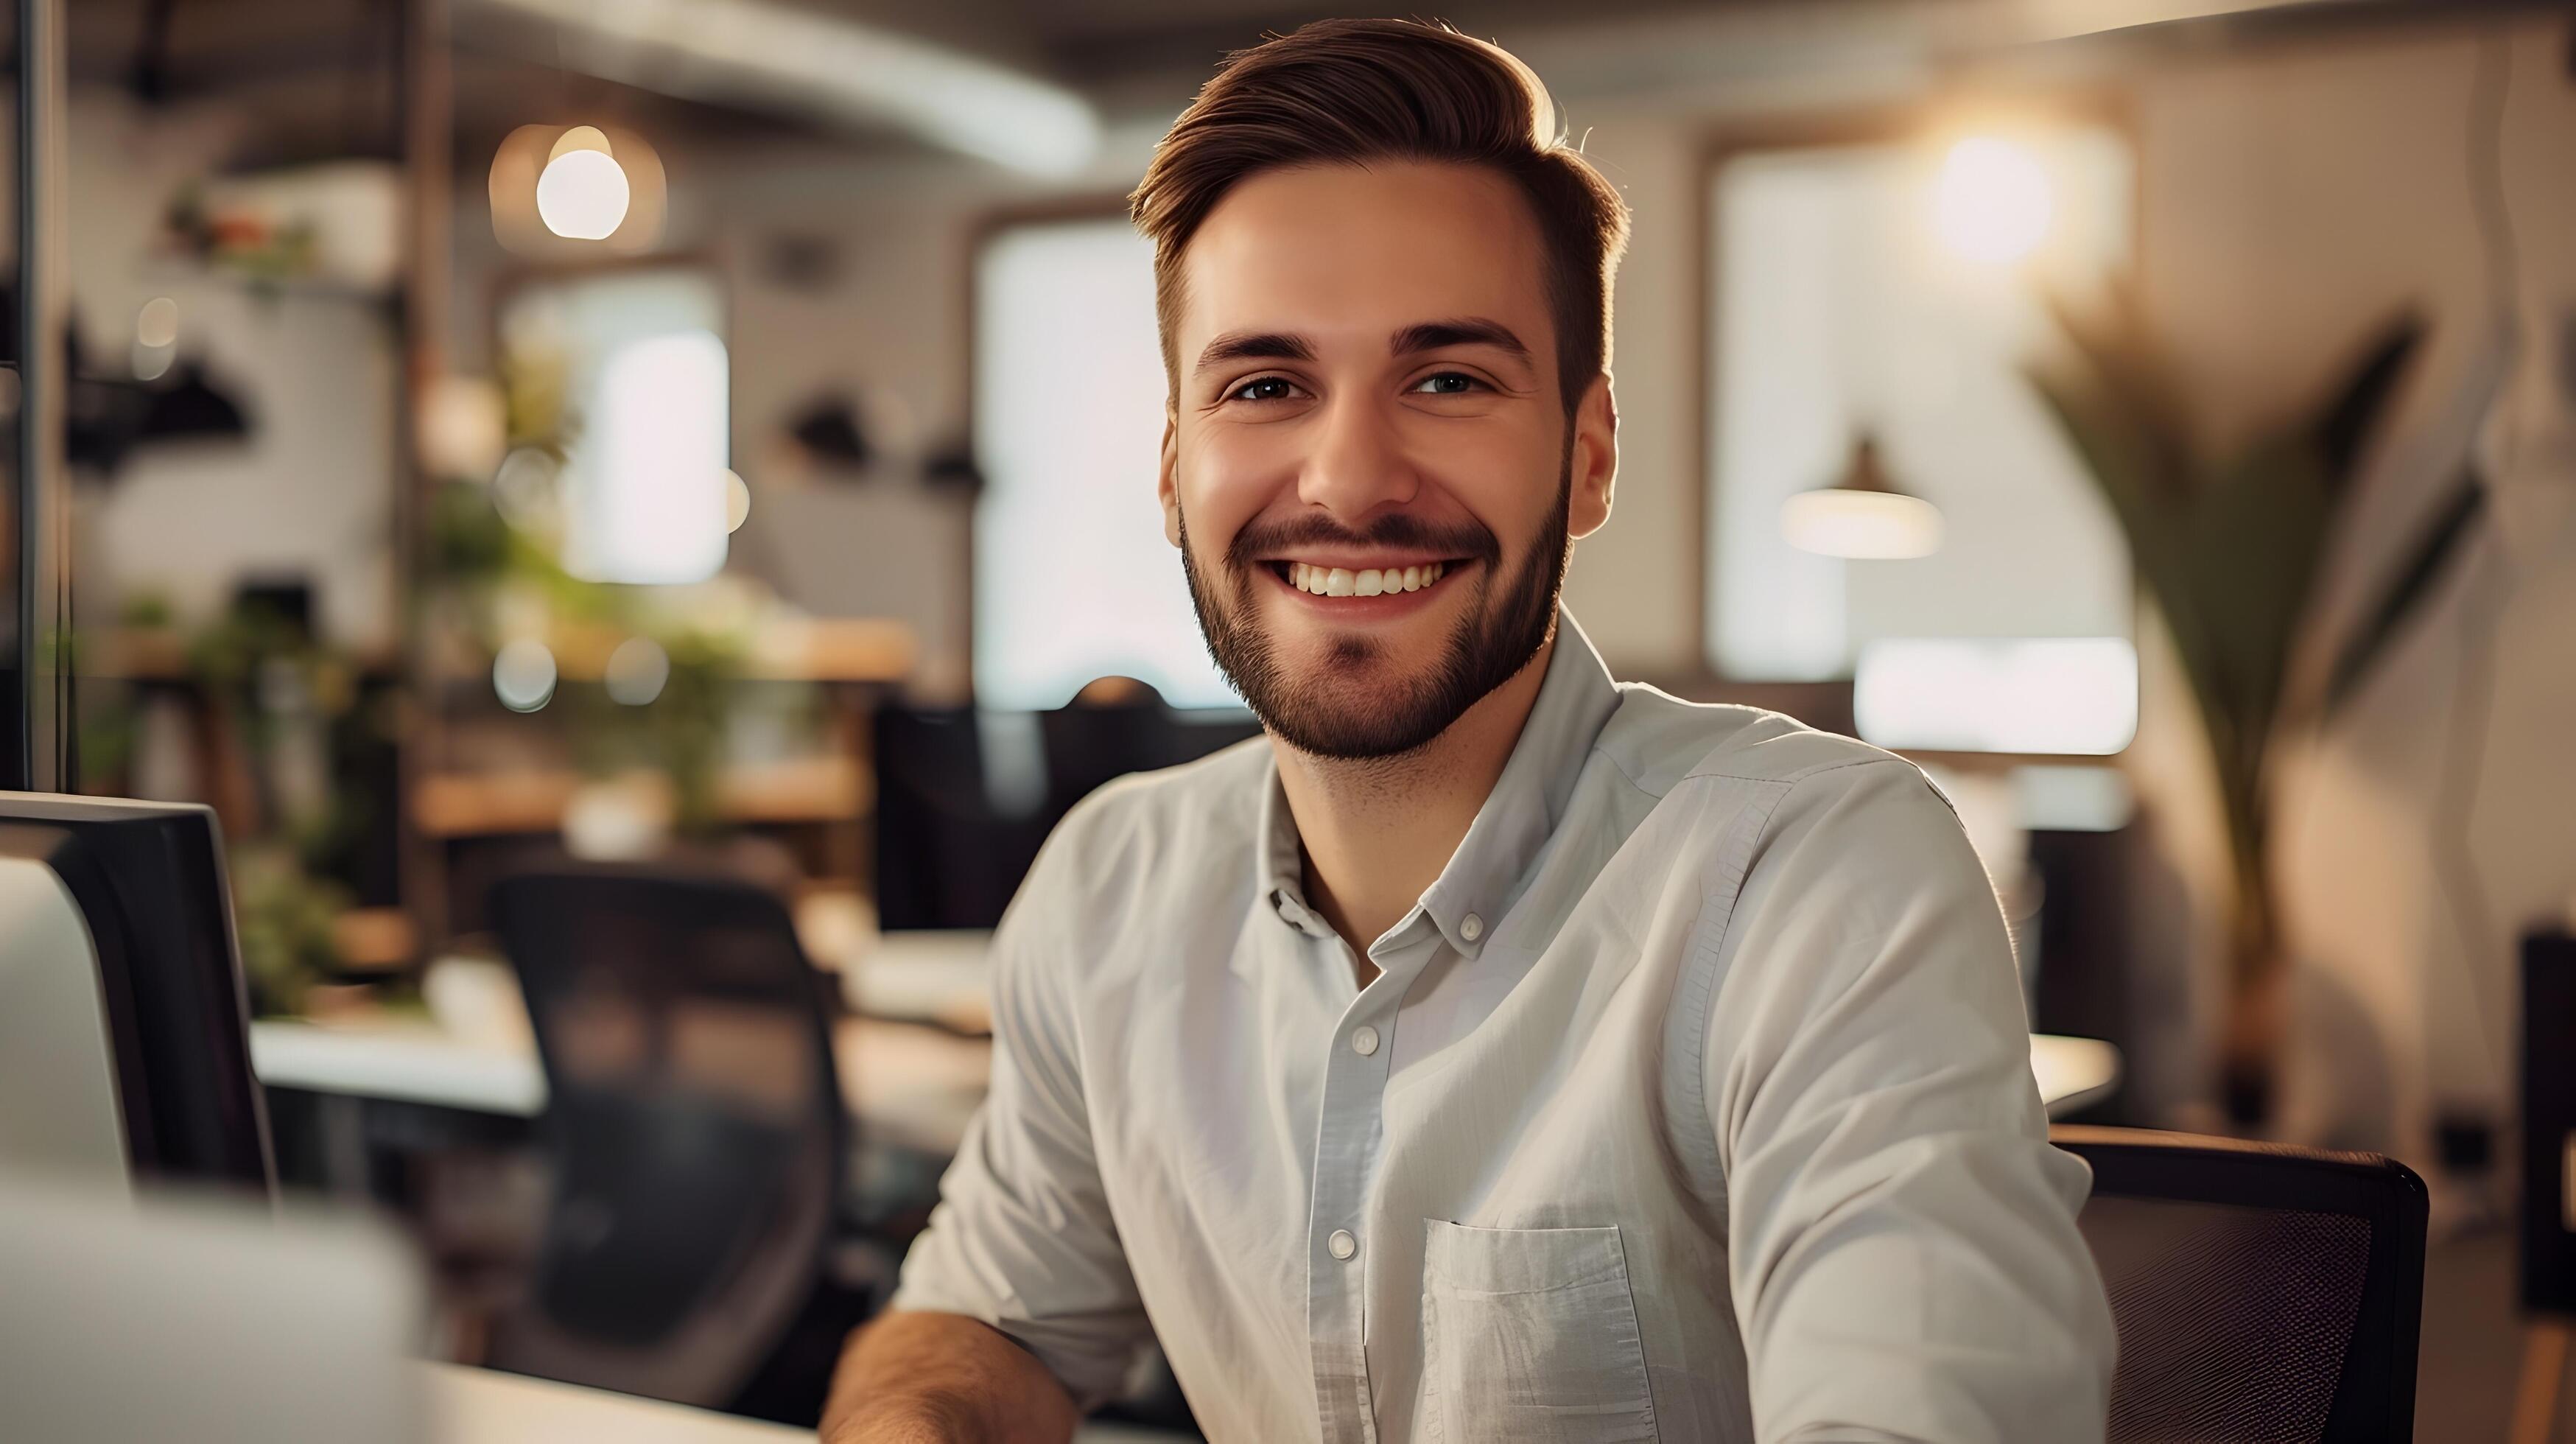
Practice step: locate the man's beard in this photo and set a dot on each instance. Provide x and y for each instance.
(1488, 646)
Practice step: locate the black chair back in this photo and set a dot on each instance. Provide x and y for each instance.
(693, 1119)
(964, 799)
(2262, 1292)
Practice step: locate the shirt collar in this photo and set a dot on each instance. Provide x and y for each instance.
(1485, 875)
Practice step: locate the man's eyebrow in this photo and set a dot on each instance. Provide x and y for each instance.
(1254, 346)
(1466, 331)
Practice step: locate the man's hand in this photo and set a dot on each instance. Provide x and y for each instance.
(921, 1378)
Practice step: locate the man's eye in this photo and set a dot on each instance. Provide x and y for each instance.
(1268, 388)
(1447, 383)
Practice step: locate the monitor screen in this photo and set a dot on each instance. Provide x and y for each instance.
(122, 967)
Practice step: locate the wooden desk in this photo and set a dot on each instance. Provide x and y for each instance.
(483, 1406)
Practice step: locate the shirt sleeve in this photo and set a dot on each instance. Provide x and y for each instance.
(1901, 1237)
(1022, 1237)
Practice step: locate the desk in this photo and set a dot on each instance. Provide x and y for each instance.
(909, 1085)
(912, 1085)
(484, 1406)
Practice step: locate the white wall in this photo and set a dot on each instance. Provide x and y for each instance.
(2291, 202)
(309, 492)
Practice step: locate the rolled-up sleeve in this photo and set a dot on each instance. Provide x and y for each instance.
(1902, 1241)
(1022, 1237)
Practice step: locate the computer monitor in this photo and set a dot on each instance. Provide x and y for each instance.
(124, 1044)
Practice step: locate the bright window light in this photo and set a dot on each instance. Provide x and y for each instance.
(659, 515)
(642, 491)
(1073, 579)
(2072, 695)
(1993, 203)
(1836, 312)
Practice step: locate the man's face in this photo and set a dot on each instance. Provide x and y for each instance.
(1369, 468)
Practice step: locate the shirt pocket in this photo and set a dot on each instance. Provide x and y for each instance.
(1529, 1336)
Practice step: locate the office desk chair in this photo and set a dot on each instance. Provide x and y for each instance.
(2262, 1292)
(965, 799)
(694, 1121)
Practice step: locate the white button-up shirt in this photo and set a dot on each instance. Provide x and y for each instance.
(1693, 1101)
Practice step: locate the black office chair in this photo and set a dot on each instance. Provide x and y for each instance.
(958, 823)
(694, 1121)
(2262, 1292)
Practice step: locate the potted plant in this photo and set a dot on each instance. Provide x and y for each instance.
(2229, 549)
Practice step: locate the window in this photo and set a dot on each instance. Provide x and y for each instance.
(1073, 579)
(648, 381)
(1894, 291)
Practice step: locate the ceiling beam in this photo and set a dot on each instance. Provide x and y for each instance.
(757, 54)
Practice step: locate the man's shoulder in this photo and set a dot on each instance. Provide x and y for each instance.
(1177, 827)
(1660, 741)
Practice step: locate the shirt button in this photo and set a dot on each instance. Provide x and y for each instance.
(1471, 927)
(1341, 1245)
(1364, 1040)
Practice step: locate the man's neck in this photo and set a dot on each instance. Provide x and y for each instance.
(1376, 833)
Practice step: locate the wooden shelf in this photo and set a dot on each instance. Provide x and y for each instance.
(160, 654)
(484, 804)
(819, 649)
(815, 649)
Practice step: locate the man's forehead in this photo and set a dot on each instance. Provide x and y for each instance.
(1350, 254)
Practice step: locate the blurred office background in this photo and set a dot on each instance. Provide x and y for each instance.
(638, 517)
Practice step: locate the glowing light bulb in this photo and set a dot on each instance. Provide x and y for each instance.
(1992, 203)
(582, 195)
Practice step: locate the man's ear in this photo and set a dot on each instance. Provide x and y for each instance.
(1594, 463)
(1167, 483)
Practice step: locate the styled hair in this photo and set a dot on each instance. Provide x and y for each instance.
(1347, 92)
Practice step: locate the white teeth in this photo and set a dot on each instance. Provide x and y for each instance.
(1372, 582)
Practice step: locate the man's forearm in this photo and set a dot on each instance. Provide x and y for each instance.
(919, 1378)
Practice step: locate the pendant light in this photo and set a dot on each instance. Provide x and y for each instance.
(1863, 516)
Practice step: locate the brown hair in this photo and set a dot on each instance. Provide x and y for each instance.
(1351, 91)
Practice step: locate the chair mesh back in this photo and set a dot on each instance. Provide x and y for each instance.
(694, 1122)
(2234, 1322)
(2265, 1293)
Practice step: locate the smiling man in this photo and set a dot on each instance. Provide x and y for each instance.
(1493, 1051)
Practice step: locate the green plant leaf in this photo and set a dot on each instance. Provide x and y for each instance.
(2426, 563)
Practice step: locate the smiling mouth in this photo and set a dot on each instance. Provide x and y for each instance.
(1324, 581)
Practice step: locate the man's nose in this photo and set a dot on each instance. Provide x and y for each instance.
(1358, 465)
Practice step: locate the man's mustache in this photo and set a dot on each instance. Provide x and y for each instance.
(1396, 531)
